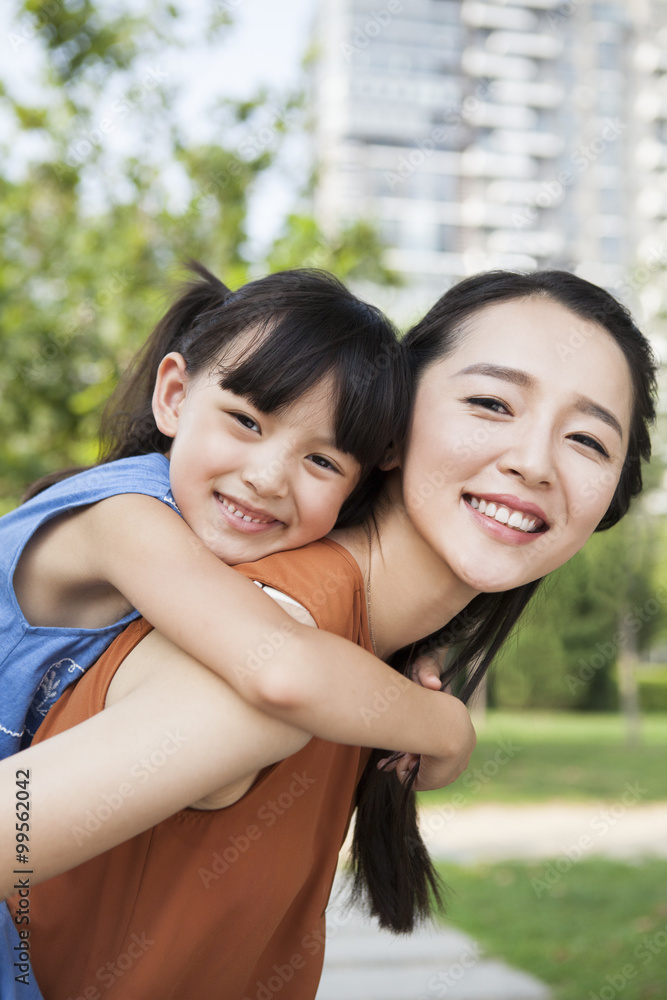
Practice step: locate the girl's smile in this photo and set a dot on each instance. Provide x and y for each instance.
(250, 483)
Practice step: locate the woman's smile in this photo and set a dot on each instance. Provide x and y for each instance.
(506, 517)
(525, 443)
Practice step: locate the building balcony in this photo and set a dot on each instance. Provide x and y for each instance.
(544, 145)
(510, 116)
(536, 95)
(478, 62)
(486, 15)
(477, 162)
(508, 43)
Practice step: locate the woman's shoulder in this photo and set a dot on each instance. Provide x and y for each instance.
(322, 576)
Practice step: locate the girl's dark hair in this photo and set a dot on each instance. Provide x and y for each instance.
(391, 869)
(305, 326)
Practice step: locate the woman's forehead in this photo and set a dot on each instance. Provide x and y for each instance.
(547, 346)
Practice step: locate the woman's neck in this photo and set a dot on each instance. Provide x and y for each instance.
(412, 590)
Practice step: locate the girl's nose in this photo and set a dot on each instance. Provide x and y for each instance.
(269, 478)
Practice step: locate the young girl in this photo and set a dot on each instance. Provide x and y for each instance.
(249, 414)
(517, 452)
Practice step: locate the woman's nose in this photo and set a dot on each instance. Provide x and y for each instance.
(530, 459)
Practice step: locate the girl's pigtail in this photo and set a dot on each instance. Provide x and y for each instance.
(128, 427)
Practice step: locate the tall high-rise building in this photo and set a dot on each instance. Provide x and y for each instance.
(514, 133)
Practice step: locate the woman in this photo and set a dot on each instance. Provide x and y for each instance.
(521, 445)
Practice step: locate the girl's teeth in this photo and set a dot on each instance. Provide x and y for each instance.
(490, 510)
(474, 502)
(515, 519)
(502, 515)
(482, 506)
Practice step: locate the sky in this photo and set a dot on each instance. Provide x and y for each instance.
(264, 46)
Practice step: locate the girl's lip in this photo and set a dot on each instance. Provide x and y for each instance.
(267, 522)
(499, 531)
(508, 500)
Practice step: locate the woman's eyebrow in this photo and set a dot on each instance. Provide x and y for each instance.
(582, 403)
(499, 371)
(585, 405)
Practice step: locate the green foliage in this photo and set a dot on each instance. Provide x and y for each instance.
(653, 691)
(603, 602)
(112, 198)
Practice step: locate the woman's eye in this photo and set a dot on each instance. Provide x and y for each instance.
(323, 463)
(590, 442)
(246, 421)
(488, 402)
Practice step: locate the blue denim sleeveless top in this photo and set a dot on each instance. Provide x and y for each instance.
(37, 663)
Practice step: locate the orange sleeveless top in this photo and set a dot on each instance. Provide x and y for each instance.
(225, 903)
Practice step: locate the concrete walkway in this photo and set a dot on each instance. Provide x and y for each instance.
(365, 963)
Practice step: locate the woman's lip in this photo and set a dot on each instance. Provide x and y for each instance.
(508, 500)
(499, 531)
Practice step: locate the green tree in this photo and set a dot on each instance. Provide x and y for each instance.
(103, 195)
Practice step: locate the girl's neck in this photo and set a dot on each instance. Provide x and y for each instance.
(412, 590)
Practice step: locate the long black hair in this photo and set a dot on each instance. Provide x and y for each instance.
(392, 873)
(305, 325)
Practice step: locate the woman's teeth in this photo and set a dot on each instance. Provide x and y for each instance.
(512, 518)
(244, 517)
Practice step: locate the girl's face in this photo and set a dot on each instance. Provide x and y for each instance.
(517, 443)
(250, 483)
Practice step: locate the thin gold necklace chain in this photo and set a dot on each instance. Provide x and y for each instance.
(368, 589)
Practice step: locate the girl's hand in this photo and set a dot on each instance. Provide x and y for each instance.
(433, 772)
(426, 671)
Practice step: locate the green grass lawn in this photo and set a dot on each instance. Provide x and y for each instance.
(598, 933)
(535, 757)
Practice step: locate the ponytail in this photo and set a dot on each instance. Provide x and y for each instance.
(128, 426)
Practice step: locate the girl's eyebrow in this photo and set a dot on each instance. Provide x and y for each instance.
(582, 403)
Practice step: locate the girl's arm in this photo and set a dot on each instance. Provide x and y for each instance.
(175, 735)
(313, 680)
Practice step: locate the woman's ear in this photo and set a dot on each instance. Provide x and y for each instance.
(169, 393)
(391, 460)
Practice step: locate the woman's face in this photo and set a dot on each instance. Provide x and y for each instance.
(517, 443)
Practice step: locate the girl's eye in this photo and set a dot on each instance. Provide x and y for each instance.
(246, 421)
(323, 463)
(488, 402)
(590, 442)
